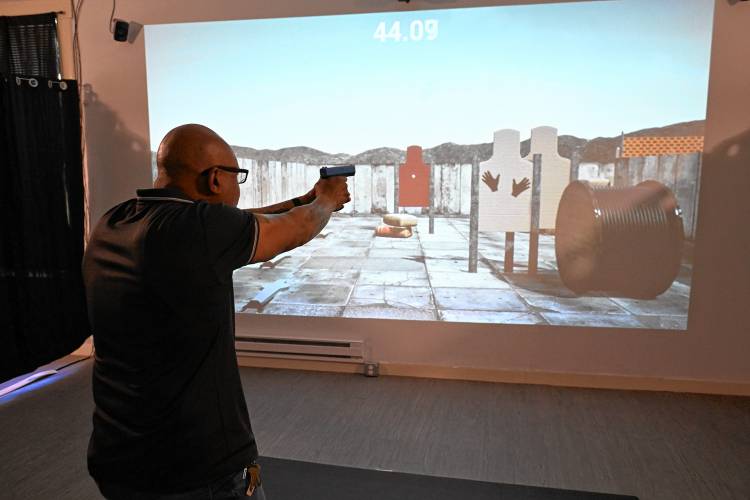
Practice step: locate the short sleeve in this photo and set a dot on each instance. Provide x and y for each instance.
(231, 237)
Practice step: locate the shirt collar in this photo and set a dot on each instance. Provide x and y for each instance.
(162, 194)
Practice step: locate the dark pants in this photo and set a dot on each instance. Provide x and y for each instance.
(231, 486)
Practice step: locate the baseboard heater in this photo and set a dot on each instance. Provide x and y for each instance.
(340, 351)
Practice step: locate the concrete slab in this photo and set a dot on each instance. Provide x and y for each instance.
(382, 242)
(479, 299)
(350, 255)
(314, 294)
(342, 250)
(593, 320)
(306, 310)
(585, 305)
(542, 284)
(334, 263)
(664, 322)
(384, 312)
(395, 278)
(326, 276)
(462, 244)
(666, 304)
(454, 265)
(491, 317)
(381, 264)
(447, 253)
(243, 293)
(465, 279)
(259, 277)
(392, 296)
(395, 253)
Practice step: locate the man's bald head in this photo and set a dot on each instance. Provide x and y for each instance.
(185, 152)
(190, 149)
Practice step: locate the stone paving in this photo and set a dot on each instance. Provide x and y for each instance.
(348, 272)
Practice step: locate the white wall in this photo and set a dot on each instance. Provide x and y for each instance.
(717, 344)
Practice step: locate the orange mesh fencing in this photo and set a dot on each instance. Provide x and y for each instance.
(655, 146)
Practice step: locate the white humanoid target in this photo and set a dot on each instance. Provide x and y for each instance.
(555, 173)
(505, 186)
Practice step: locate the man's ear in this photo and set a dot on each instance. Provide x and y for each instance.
(214, 184)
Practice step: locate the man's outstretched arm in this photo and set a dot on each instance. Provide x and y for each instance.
(280, 233)
(284, 206)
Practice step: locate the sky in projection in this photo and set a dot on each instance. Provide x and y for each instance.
(347, 84)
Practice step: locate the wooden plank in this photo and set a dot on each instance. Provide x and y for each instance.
(395, 187)
(362, 198)
(575, 162)
(256, 178)
(536, 198)
(436, 180)
(510, 239)
(622, 172)
(433, 190)
(635, 171)
(265, 183)
(466, 189)
(285, 170)
(246, 189)
(696, 197)
(607, 171)
(351, 185)
(312, 175)
(450, 195)
(686, 190)
(299, 186)
(474, 217)
(668, 170)
(390, 193)
(650, 168)
(379, 189)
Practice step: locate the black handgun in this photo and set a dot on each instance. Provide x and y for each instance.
(337, 171)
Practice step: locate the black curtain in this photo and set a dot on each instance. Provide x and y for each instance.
(28, 46)
(41, 223)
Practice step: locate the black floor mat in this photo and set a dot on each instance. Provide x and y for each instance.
(295, 480)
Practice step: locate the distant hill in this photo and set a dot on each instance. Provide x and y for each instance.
(598, 150)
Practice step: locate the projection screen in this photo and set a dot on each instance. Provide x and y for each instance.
(533, 164)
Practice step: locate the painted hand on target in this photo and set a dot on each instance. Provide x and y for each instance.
(491, 181)
(520, 187)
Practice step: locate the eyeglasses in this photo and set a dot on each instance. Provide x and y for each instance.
(241, 172)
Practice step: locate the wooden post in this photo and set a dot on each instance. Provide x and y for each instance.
(536, 192)
(474, 217)
(432, 198)
(510, 238)
(575, 162)
(395, 188)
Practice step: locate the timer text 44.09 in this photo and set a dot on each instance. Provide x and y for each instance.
(417, 31)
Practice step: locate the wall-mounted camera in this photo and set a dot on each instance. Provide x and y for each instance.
(121, 30)
(125, 31)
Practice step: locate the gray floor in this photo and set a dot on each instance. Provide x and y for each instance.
(658, 446)
(349, 272)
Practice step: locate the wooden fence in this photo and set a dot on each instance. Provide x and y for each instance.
(680, 173)
(374, 188)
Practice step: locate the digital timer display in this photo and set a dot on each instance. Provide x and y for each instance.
(417, 31)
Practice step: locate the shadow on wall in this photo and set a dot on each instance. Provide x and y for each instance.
(722, 246)
(118, 160)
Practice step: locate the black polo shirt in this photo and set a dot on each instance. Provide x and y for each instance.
(170, 412)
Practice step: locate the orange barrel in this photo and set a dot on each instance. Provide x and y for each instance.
(625, 241)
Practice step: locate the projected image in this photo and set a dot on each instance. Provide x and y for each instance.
(518, 164)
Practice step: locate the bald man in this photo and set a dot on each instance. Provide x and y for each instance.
(170, 419)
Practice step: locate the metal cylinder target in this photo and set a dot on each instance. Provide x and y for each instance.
(626, 241)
